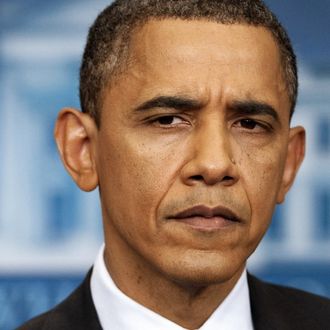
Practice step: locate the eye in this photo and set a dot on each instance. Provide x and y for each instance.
(248, 123)
(255, 126)
(168, 120)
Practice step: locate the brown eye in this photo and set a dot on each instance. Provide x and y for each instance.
(169, 121)
(166, 120)
(248, 123)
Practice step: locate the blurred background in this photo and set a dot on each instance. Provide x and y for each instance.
(50, 231)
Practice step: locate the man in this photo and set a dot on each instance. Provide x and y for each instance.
(186, 131)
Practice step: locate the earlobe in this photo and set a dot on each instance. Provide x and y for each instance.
(294, 158)
(75, 134)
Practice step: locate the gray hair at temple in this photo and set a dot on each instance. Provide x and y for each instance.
(107, 49)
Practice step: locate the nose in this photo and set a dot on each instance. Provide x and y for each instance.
(210, 157)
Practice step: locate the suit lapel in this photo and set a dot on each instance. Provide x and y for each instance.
(273, 308)
(76, 312)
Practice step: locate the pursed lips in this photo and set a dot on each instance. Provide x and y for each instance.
(205, 218)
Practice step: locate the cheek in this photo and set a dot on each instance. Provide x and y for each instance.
(134, 178)
(261, 174)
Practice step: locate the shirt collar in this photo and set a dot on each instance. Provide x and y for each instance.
(117, 311)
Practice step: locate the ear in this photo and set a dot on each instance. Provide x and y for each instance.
(294, 158)
(75, 135)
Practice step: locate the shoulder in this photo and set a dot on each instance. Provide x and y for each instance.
(288, 305)
(37, 322)
(270, 290)
(75, 312)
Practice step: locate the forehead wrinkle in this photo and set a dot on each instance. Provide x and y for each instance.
(187, 51)
(142, 65)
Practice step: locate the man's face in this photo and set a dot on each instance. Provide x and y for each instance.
(192, 148)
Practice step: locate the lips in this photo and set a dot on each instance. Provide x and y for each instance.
(205, 218)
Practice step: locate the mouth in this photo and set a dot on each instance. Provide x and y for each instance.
(205, 218)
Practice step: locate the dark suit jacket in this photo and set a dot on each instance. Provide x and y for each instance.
(273, 308)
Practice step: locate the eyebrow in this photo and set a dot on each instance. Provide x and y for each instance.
(174, 102)
(244, 107)
(253, 108)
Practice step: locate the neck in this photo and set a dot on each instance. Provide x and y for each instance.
(186, 304)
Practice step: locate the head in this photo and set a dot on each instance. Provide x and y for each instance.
(186, 131)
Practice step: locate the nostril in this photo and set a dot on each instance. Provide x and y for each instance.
(197, 177)
(202, 178)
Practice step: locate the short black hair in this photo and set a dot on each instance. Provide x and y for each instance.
(108, 39)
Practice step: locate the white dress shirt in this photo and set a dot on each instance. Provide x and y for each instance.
(116, 311)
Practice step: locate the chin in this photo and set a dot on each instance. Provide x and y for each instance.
(204, 269)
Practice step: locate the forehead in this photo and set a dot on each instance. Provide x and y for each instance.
(194, 31)
(205, 58)
(178, 39)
